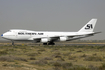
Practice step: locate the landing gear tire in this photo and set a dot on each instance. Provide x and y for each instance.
(44, 43)
(51, 43)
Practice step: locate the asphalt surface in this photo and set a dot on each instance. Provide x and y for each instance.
(56, 44)
(80, 44)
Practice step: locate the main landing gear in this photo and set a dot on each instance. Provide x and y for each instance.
(50, 43)
(44, 43)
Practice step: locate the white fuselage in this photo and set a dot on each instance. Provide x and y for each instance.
(31, 35)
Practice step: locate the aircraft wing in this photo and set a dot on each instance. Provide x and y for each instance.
(52, 38)
(71, 37)
(74, 37)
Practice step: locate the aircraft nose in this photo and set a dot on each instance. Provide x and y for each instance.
(2, 35)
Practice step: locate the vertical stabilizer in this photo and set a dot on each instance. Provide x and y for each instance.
(89, 27)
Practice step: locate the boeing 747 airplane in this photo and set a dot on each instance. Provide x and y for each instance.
(48, 38)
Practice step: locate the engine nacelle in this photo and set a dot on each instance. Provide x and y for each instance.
(44, 40)
(63, 38)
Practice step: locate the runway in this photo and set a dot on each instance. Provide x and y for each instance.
(79, 44)
(56, 44)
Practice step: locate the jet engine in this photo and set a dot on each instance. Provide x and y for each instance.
(45, 40)
(63, 38)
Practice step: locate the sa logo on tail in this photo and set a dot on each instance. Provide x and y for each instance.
(89, 26)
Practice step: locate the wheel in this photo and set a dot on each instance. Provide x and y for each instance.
(51, 43)
(44, 43)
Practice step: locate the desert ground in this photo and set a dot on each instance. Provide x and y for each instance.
(67, 56)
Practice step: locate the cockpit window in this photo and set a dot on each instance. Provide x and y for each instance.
(9, 31)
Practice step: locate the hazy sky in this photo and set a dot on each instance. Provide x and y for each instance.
(52, 15)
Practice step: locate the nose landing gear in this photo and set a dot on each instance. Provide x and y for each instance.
(13, 43)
